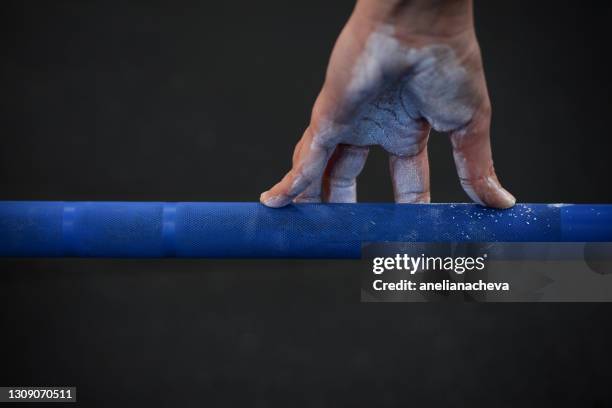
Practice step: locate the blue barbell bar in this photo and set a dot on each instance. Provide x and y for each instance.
(251, 230)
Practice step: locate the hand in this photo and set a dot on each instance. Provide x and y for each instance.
(398, 69)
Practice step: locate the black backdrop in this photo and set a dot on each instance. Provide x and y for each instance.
(202, 100)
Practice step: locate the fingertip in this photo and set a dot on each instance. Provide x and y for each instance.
(263, 197)
(496, 196)
(506, 200)
(413, 198)
(273, 201)
(489, 193)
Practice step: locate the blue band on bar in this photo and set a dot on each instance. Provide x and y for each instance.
(251, 230)
(169, 230)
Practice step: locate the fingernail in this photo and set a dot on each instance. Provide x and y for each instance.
(509, 199)
(274, 202)
(505, 199)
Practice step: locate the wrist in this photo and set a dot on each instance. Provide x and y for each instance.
(418, 18)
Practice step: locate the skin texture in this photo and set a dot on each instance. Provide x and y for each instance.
(398, 69)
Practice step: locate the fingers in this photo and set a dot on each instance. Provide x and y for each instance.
(340, 180)
(310, 159)
(410, 177)
(472, 153)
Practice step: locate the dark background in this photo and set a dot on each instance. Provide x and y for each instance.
(203, 101)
